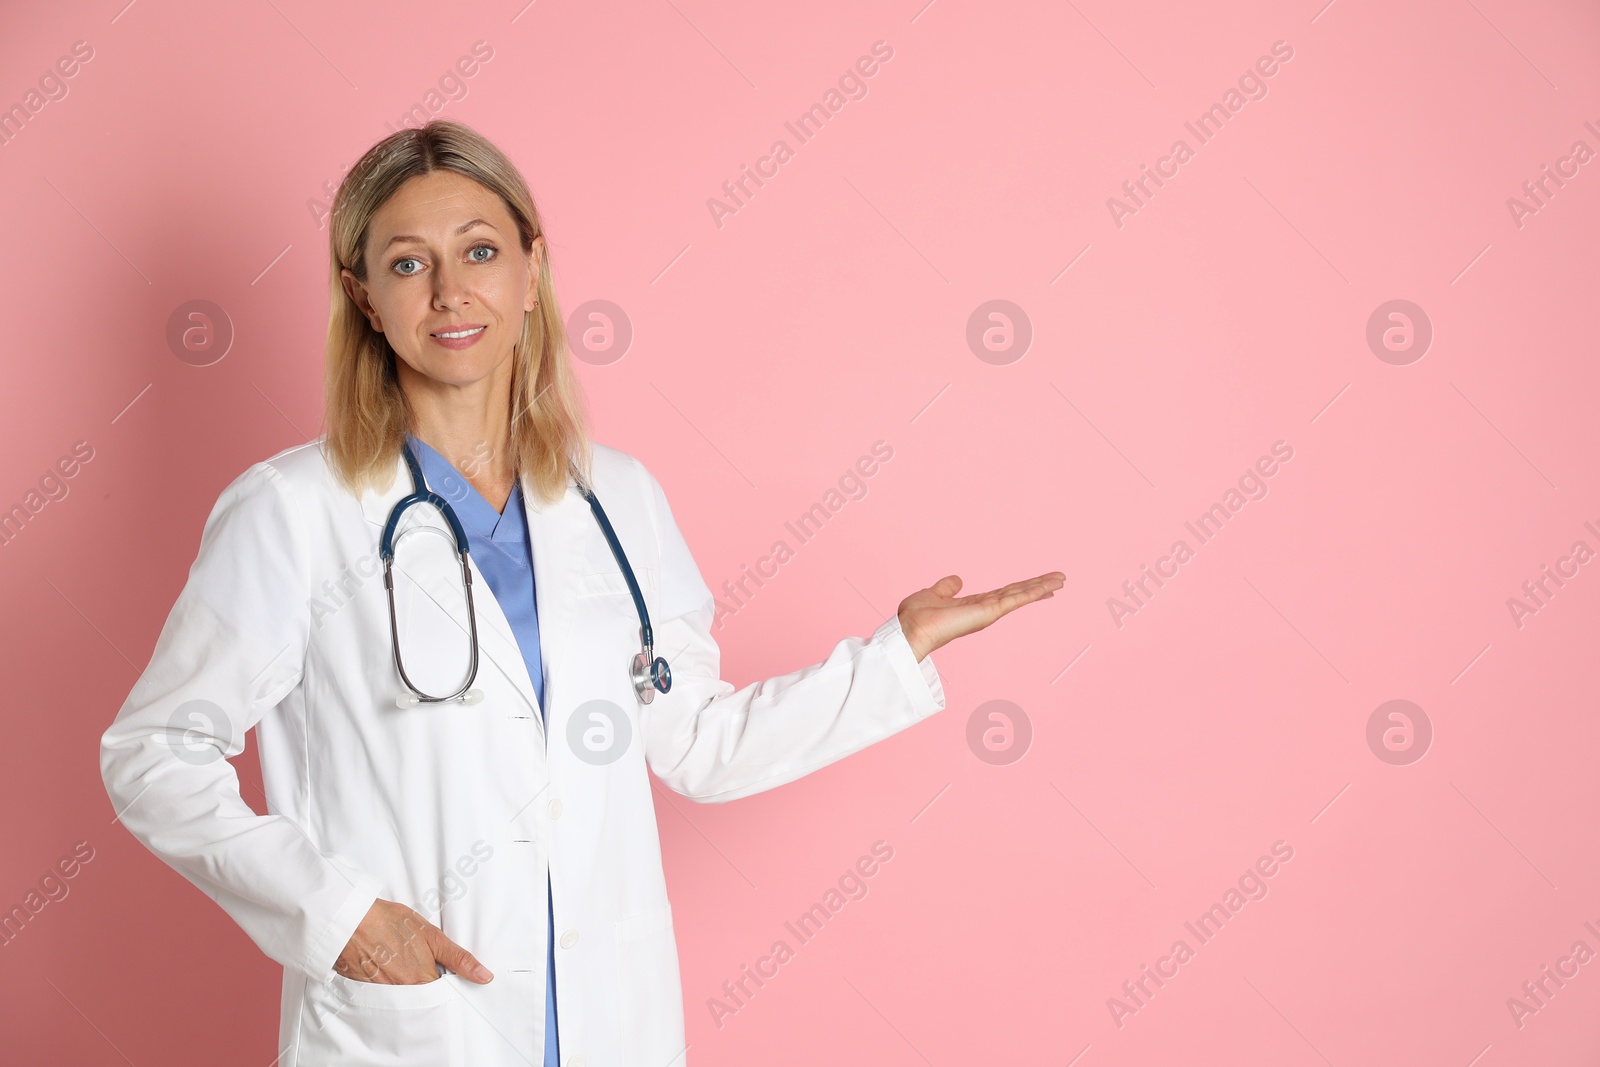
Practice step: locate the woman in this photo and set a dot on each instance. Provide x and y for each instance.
(397, 875)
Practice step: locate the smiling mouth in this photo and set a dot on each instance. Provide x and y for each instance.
(458, 334)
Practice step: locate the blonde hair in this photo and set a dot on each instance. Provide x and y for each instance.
(365, 410)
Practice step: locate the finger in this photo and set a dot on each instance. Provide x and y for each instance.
(1047, 582)
(1011, 601)
(1007, 602)
(1030, 589)
(457, 958)
(361, 969)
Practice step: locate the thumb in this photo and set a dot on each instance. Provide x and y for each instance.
(949, 585)
(455, 957)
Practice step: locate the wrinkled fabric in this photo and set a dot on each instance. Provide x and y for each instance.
(462, 811)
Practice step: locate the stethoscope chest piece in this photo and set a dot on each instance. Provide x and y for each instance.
(650, 676)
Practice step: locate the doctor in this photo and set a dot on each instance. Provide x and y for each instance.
(474, 881)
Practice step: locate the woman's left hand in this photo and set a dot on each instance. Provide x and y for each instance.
(936, 616)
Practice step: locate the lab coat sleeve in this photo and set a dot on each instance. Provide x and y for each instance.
(232, 647)
(713, 743)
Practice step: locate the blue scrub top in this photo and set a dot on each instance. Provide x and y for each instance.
(499, 544)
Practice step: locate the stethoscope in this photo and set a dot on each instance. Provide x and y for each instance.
(648, 672)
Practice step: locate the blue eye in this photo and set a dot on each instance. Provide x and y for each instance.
(491, 249)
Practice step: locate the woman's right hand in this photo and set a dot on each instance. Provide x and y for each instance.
(394, 945)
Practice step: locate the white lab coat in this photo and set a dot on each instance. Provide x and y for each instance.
(460, 810)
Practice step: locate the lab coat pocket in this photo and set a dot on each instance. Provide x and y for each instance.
(346, 1021)
(650, 994)
(612, 582)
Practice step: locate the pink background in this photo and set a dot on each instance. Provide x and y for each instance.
(830, 312)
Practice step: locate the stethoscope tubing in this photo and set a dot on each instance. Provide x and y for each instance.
(648, 673)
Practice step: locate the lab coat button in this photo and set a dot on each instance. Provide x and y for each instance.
(569, 939)
(577, 1061)
(555, 809)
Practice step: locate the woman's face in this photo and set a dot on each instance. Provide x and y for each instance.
(442, 257)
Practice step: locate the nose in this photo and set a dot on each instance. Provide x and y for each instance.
(449, 287)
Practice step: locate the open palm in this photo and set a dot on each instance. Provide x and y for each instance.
(935, 616)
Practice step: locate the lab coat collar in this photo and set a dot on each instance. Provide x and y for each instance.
(553, 534)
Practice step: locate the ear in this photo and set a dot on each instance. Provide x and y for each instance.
(535, 259)
(358, 293)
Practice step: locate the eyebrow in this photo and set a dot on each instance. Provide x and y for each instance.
(463, 228)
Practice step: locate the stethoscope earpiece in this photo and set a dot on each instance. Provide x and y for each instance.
(411, 700)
